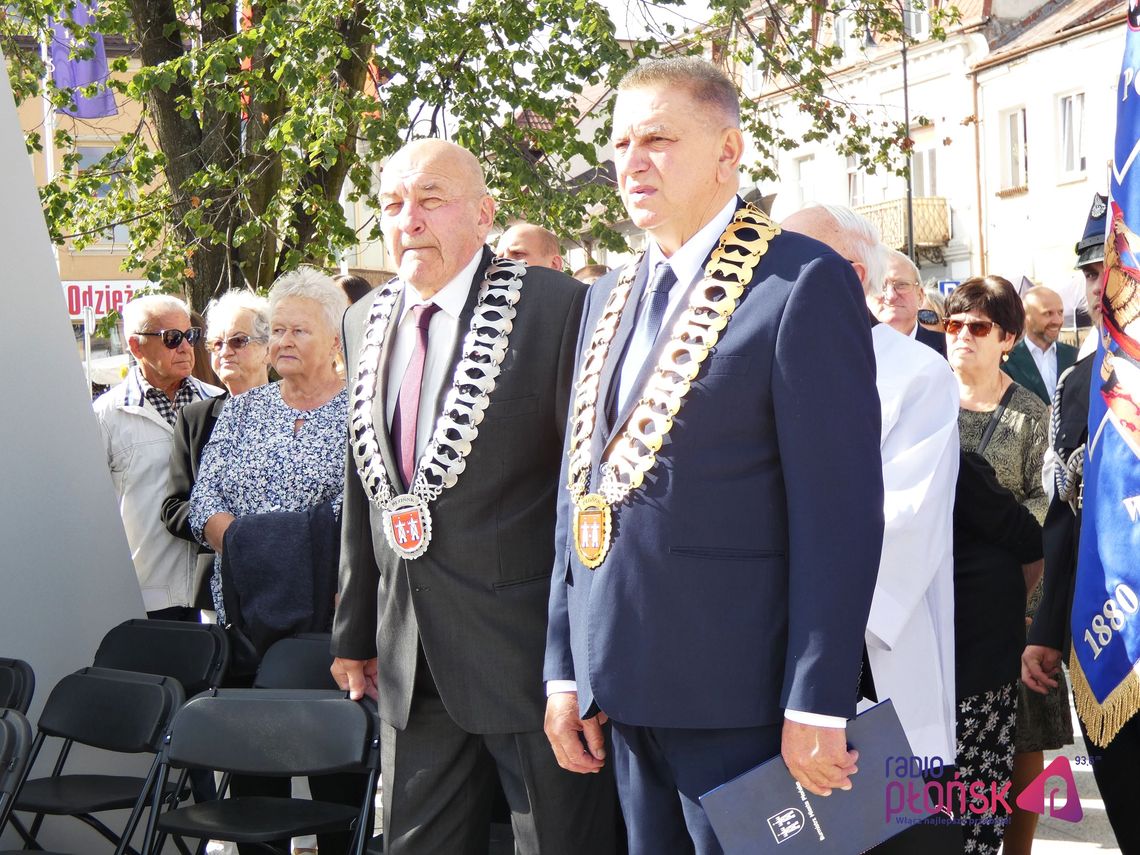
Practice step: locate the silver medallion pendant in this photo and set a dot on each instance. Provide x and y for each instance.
(407, 525)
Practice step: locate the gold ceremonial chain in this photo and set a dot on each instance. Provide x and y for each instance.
(714, 299)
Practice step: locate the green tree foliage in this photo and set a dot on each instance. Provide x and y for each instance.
(254, 125)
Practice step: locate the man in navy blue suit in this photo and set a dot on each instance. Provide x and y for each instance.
(721, 520)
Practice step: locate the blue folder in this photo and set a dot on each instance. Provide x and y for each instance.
(766, 811)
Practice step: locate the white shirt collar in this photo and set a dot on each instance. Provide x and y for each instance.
(452, 297)
(1034, 349)
(688, 260)
(914, 331)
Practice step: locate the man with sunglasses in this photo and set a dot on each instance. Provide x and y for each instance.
(136, 419)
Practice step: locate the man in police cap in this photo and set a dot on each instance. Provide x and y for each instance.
(1115, 765)
(1090, 261)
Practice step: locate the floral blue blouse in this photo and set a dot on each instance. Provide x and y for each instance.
(254, 463)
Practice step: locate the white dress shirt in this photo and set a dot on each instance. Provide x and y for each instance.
(688, 265)
(443, 334)
(1046, 361)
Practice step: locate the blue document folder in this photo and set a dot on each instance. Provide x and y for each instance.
(766, 811)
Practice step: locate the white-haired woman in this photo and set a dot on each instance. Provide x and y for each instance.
(237, 340)
(267, 499)
(280, 447)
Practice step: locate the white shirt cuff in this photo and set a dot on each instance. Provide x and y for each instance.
(554, 687)
(815, 719)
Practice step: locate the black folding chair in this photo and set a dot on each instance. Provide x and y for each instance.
(304, 661)
(299, 662)
(269, 732)
(195, 654)
(117, 711)
(15, 748)
(17, 684)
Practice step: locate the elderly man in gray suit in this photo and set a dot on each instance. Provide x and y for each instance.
(459, 375)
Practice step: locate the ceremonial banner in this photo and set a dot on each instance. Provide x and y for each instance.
(1105, 661)
(69, 72)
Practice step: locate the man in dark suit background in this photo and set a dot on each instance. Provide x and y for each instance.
(722, 621)
(1039, 359)
(897, 304)
(443, 588)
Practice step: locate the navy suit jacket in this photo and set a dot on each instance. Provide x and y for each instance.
(1021, 367)
(932, 339)
(740, 577)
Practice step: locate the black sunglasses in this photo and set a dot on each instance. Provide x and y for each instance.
(236, 342)
(173, 338)
(978, 329)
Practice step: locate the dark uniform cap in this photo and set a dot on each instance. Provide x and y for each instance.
(1090, 248)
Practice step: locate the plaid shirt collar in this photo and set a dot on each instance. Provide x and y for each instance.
(189, 390)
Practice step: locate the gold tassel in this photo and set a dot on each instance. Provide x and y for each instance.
(1103, 721)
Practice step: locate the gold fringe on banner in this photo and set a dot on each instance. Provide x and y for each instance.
(1104, 721)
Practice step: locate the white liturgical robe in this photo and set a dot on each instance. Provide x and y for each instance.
(910, 632)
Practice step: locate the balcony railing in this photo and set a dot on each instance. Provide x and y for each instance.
(931, 224)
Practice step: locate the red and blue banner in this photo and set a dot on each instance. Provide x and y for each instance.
(1105, 662)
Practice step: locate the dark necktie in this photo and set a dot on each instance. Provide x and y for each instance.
(646, 330)
(407, 413)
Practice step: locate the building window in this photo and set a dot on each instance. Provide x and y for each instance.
(843, 37)
(756, 74)
(1072, 109)
(856, 184)
(916, 21)
(90, 154)
(805, 180)
(924, 172)
(1015, 161)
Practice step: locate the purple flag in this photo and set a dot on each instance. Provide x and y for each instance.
(69, 73)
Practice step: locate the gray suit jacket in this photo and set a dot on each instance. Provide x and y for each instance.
(477, 599)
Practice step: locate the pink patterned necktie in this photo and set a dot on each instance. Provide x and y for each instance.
(408, 403)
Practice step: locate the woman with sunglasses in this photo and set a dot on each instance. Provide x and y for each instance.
(1008, 426)
(237, 341)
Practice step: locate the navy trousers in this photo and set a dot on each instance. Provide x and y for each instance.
(662, 772)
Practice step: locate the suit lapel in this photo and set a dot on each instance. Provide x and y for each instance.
(611, 371)
(1028, 367)
(663, 337)
(464, 324)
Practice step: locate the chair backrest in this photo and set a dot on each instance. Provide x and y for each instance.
(17, 683)
(195, 654)
(15, 748)
(274, 732)
(299, 662)
(115, 710)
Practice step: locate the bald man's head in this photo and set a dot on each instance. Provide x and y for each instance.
(532, 244)
(848, 234)
(435, 212)
(1044, 316)
(460, 164)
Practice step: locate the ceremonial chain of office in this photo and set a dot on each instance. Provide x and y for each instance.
(727, 274)
(484, 348)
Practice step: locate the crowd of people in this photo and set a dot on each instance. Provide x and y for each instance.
(614, 545)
